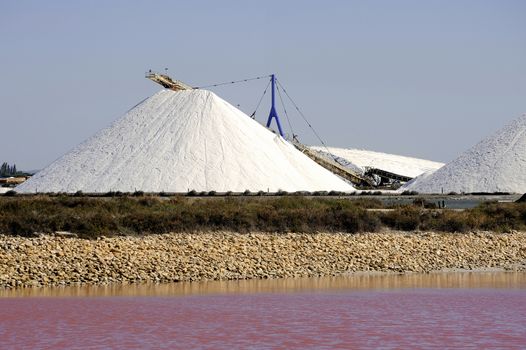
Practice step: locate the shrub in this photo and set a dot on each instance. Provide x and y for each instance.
(301, 193)
(91, 217)
(367, 203)
(356, 220)
(107, 194)
(452, 224)
(335, 193)
(409, 193)
(405, 219)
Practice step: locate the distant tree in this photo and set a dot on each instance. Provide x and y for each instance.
(8, 170)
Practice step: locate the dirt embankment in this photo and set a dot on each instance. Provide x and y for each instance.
(56, 260)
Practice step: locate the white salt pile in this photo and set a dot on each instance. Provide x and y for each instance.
(401, 165)
(181, 141)
(495, 164)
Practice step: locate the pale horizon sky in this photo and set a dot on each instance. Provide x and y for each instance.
(419, 78)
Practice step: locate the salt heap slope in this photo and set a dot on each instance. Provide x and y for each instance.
(180, 141)
(496, 164)
(401, 165)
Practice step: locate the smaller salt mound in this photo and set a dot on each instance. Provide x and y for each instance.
(495, 164)
(401, 165)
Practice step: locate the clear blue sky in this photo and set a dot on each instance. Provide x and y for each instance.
(419, 78)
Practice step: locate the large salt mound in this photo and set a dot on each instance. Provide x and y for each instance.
(180, 141)
(401, 165)
(496, 164)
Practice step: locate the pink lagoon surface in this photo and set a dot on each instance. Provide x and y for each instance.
(448, 310)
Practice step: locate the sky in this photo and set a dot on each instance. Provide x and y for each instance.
(420, 78)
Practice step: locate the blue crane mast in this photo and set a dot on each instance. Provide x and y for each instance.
(273, 114)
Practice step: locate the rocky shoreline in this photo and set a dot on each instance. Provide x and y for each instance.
(53, 260)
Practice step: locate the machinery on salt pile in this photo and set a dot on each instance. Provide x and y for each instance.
(371, 178)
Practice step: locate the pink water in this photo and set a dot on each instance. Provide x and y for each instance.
(324, 314)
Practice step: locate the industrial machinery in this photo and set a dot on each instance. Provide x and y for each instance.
(370, 179)
(167, 82)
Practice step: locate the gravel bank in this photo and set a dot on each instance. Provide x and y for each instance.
(58, 260)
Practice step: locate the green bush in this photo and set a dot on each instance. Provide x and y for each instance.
(409, 193)
(320, 193)
(91, 217)
(107, 194)
(336, 193)
(405, 218)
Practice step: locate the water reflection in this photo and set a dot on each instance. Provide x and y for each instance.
(508, 280)
(446, 310)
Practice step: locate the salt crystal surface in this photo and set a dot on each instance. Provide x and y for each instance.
(180, 141)
(495, 164)
(401, 165)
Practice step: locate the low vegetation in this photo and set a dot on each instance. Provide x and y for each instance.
(120, 214)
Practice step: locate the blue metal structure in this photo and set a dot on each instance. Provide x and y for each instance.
(273, 113)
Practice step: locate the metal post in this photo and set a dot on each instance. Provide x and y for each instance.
(273, 113)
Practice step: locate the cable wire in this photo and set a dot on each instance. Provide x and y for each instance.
(231, 82)
(306, 121)
(285, 109)
(253, 115)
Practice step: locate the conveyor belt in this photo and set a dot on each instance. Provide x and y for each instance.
(387, 174)
(334, 167)
(167, 82)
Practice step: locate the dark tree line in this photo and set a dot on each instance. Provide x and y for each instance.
(8, 170)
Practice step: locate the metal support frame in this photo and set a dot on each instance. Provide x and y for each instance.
(273, 114)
